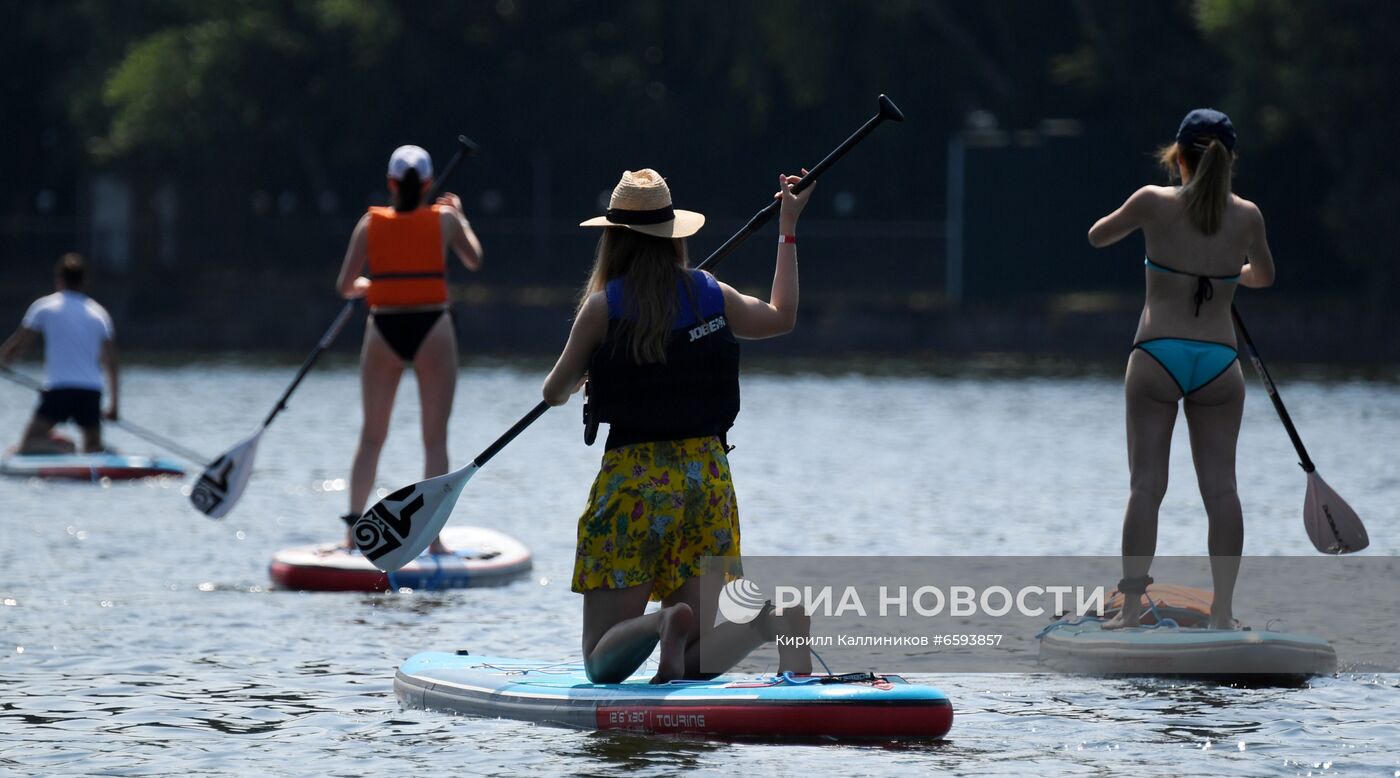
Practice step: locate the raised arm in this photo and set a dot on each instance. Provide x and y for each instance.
(457, 232)
(590, 327)
(1130, 216)
(1259, 272)
(350, 284)
(755, 319)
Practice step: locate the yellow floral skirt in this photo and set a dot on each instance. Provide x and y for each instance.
(655, 511)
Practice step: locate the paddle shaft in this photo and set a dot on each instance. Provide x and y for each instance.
(887, 111)
(465, 148)
(161, 440)
(510, 434)
(766, 213)
(135, 429)
(1305, 461)
(325, 343)
(20, 378)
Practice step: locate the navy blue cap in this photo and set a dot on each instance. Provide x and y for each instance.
(1204, 122)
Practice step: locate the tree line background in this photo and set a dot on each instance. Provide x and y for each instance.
(251, 134)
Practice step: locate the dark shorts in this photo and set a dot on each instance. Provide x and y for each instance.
(83, 406)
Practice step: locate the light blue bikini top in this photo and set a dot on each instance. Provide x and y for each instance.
(1205, 290)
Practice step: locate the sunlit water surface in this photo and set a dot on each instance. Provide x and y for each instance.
(138, 637)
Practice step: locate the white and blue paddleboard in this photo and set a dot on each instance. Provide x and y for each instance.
(88, 467)
(1077, 645)
(855, 706)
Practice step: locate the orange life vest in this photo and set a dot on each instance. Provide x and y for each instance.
(406, 257)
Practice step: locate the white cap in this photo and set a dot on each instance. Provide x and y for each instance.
(405, 158)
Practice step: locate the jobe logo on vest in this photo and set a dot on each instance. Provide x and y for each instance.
(713, 325)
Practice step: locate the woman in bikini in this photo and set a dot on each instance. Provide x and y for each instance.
(404, 247)
(1202, 242)
(658, 342)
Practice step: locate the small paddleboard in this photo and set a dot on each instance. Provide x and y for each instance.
(859, 706)
(1175, 642)
(87, 467)
(482, 557)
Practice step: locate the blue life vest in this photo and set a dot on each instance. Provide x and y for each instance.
(694, 393)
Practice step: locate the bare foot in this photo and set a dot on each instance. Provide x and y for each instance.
(1129, 616)
(794, 653)
(675, 633)
(438, 548)
(330, 549)
(349, 519)
(1222, 619)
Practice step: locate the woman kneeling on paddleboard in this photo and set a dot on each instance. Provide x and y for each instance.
(404, 247)
(1202, 242)
(658, 343)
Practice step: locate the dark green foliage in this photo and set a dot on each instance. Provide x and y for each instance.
(308, 96)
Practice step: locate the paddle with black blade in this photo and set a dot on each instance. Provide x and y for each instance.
(135, 429)
(395, 530)
(223, 481)
(1333, 527)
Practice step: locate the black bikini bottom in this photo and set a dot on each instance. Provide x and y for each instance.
(404, 332)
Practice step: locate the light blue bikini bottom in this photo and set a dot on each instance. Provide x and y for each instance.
(1191, 363)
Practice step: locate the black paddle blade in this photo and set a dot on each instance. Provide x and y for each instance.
(223, 482)
(469, 149)
(888, 110)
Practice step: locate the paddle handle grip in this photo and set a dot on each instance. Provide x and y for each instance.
(1305, 461)
(465, 148)
(888, 112)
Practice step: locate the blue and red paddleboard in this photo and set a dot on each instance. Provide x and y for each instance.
(857, 706)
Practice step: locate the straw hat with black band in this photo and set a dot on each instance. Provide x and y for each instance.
(641, 202)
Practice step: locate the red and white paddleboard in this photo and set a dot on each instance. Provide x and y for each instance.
(87, 467)
(481, 557)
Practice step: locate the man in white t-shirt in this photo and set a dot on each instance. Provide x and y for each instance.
(78, 349)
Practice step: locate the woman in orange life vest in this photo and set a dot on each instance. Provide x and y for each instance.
(658, 342)
(404, 247)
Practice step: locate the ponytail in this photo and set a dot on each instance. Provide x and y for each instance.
(1208, 192)
(410, 191)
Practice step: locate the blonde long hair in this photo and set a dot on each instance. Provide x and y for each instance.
(651, 266)
(1212, 167)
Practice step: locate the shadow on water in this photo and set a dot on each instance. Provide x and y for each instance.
(1180, 711)
(633, 751)
(411, 603)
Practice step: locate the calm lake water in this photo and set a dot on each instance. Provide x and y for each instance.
(139, 637)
